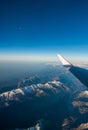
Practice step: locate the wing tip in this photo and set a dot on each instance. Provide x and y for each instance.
(64, 61)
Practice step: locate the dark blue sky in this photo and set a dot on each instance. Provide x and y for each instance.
(44, 26)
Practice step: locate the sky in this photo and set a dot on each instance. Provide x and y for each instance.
(43, 28)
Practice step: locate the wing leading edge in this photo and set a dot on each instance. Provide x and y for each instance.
(80, 73)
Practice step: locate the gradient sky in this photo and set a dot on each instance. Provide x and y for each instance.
(44, 27)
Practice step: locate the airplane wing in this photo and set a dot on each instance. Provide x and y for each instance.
(80, 73)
